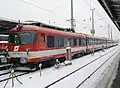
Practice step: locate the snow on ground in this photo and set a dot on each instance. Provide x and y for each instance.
(33, 80)
(74, 80)
(3, 71)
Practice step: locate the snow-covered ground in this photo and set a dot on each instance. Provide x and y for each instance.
(49, 75)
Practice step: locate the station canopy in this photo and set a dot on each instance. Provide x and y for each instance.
(112, 7)
(6, 25)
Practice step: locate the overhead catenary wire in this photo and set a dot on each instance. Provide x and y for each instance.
(99, 8)
(46, 10)
(98, 15)
(95, 10)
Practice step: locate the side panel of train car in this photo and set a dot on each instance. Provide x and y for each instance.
(32, 44)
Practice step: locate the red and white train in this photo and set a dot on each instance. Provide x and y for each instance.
(3, 43)
(3, 48)
(30, 45)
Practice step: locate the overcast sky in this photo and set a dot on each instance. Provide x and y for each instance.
(57, 12)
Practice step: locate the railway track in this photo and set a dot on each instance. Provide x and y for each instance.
(5, 66)
(5, 69)
(17, 75)
(73, 72)
(4, 73)
(96, 69)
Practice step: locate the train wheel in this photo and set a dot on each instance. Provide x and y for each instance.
(62, 59)
(51, 62)
(48, 63)
(34, 67)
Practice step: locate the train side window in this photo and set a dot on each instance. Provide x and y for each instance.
(99, 41)
(79, 41)
(43, 38)
(50, 41)
(59, 41)
(75, 41)
(90, 41)
(70, 40)
(83, 41)
(96, 42)
(87, 41)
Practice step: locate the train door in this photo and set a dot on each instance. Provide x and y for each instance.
(42, 39)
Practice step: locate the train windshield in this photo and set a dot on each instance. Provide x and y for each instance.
(23, 38)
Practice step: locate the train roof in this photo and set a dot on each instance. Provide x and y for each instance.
(47, 30)
(40, 24)
(54, 31)
(95, 37)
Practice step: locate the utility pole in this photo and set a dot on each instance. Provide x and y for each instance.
(111, 33)
(93, 27)
(72, 20)
(108, 30)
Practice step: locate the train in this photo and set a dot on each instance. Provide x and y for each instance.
(3, 43)
(30, 45)
(3, 48)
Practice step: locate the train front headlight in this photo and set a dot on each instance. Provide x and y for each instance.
(23, 60)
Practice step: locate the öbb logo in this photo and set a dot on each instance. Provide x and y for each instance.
(16, 48)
